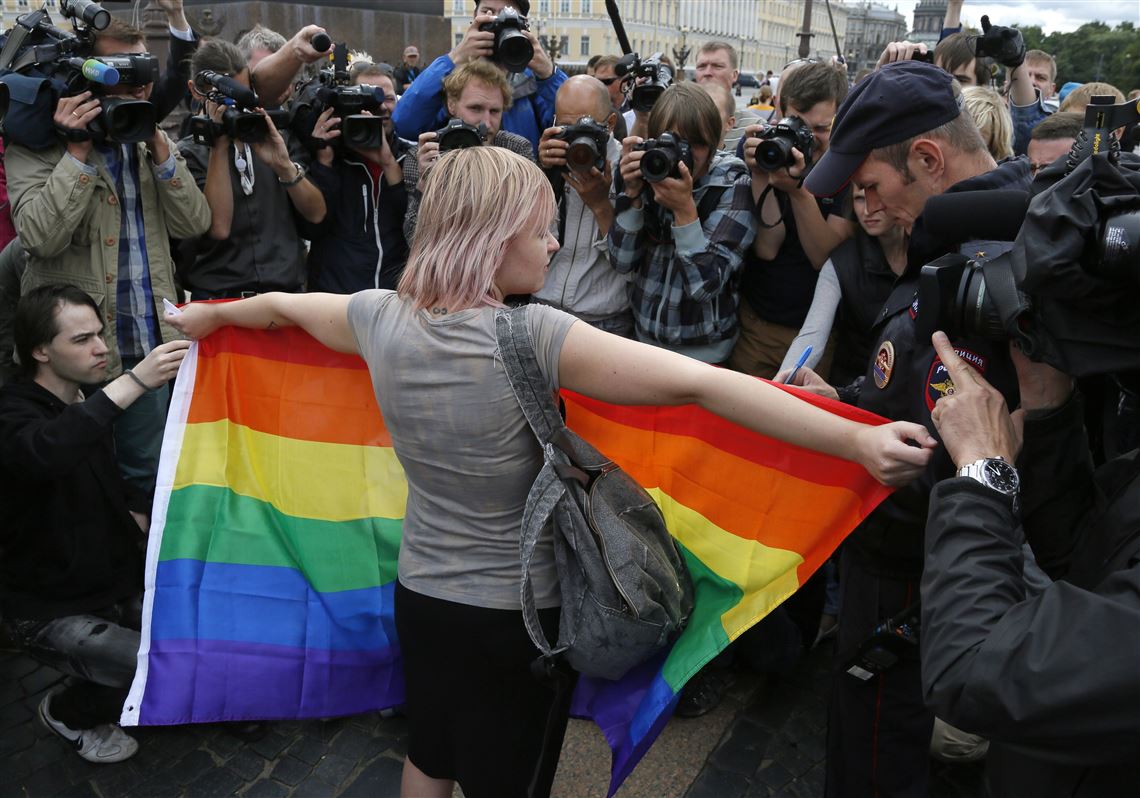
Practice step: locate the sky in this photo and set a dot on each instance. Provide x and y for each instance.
(1061, 16)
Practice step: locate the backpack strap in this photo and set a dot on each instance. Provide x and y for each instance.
(521, 366)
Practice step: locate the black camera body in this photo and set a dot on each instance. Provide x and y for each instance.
(513, 48)
(40, 64)
(239, 121)
(360, 108)
(776, 143)
(664, 156)
(458, 135)
(588, 142)
(1066, 290)
(891, 641)
(648, 77)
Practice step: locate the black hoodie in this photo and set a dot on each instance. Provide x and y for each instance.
(68, 544)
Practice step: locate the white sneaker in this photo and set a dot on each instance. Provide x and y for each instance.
(104, 744)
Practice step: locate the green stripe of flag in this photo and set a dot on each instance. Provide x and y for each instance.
(705, 631)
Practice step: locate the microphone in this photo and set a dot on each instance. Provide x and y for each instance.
(969, 215)
(242, 95)
(95, 71)
(321, 42)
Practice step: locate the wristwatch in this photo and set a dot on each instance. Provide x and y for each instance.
(301, 172)
(996, 474)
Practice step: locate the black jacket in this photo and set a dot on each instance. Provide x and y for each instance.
(171, 87)
(1053, 680)
(345, 254)
(905, 378)
(68, 544)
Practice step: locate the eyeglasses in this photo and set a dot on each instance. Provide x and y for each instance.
(799, 61)
(609, 81)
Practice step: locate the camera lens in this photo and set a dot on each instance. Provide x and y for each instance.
(127, 121)
(513, 49)
(1118, 252)
(582, 154)
(644, 97)
(773, 154)
(976, 305)
(363, 132)
(656, 165)
(458, 139)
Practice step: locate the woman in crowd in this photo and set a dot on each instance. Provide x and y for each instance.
(476, 714)
(988, 110)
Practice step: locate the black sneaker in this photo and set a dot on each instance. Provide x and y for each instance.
(702, 694)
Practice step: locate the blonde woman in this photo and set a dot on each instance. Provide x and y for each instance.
(989, 112)
(476, 714)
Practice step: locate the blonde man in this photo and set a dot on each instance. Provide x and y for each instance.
(477, 93)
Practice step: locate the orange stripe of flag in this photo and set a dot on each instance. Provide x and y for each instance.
(292, 400)
(723, 487)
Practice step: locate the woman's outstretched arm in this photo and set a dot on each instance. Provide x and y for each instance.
(323, 316)
(615, 369)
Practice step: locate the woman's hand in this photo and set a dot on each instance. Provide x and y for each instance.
(888, 454)
(197, 320)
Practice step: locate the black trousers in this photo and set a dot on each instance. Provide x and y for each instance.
(878, 731)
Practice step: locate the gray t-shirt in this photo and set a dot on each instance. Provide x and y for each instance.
(468, 453)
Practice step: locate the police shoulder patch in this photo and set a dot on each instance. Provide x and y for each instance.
(938, 382)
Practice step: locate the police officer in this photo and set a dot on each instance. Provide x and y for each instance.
(902, 138)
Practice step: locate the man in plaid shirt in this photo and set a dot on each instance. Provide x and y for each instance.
(682, 238)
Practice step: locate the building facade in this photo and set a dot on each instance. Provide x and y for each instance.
(928, 18)
(870, 28)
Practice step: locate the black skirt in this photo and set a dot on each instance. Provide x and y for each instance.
(477, 714)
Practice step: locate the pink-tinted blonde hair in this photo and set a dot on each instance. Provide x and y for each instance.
(475, 201)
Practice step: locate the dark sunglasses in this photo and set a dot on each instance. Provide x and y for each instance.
(609, 81)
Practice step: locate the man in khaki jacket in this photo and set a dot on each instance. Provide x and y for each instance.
(100, 216)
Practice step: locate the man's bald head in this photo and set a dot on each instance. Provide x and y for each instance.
(580, 96)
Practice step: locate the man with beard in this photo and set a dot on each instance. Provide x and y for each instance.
(360, 244)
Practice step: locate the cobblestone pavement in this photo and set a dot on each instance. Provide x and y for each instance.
(774, 746)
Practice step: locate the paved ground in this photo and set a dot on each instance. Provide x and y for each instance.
(766, 739)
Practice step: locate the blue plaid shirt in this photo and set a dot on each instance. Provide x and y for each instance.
(136, 324)
(685, 287)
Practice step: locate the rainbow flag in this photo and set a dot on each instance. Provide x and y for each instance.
(276, 526)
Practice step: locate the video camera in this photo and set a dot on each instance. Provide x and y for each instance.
(512, 47)
(1067, 290)
(588, 141)
(40, 63)
(458, 135)
(775, 148)
(664, 156)
(360, 108)
(655, 75)
(239, 120)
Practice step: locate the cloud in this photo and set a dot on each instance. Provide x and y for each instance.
(1052, 15)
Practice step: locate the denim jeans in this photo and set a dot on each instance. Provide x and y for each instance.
(96, 650)
(138, 435)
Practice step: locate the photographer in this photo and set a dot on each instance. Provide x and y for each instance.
(256, 192)
(1050, 678)
(903, 138)
(796, 231)
(101, 216)
(477, 94)
(422, 107)
(681, 236)
(580, 279)
(360, 244)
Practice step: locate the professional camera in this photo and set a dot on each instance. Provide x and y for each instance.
(775, 148)
(458, 135)
(1067, 290)
(663, 157)
(649, 78)
(239, 121)
(360, 108)
(588, 141)
(512, 47)
(40, 63)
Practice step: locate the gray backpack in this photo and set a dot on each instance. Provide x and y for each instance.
(625, 591)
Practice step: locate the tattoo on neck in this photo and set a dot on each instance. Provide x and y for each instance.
(439, 311)
(272, 326)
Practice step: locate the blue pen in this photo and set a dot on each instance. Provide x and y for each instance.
(799, 365)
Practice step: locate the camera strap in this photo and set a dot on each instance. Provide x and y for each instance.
(760, 209)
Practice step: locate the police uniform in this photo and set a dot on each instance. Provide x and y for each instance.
(879, 730)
